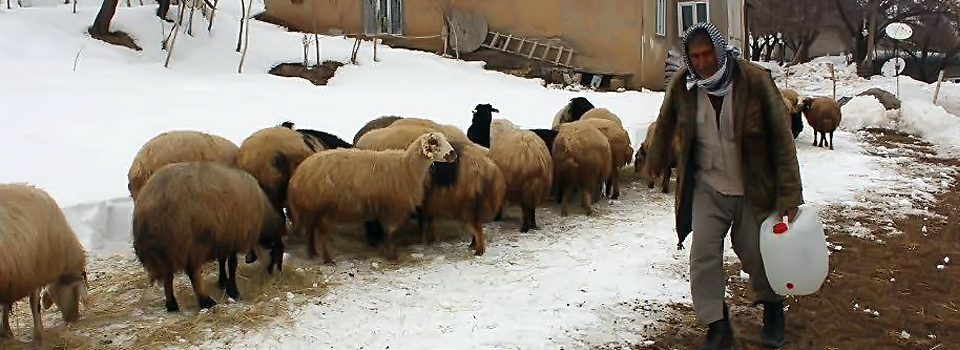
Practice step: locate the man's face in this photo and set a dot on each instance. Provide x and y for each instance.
(703, 58)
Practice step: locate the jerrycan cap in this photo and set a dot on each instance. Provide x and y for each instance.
(780, 228)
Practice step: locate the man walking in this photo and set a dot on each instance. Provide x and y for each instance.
(737, 164)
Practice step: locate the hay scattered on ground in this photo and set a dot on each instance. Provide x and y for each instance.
(126, 311)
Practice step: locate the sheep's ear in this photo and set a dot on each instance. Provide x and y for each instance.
(82, 296)
(494, 110)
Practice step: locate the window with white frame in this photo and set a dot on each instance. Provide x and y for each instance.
(690, 13)
(661, 19)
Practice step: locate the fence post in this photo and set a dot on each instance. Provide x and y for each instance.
(833, 79)
(936, 91)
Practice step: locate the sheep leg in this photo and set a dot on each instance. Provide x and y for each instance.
(374, 232)
(532, 212)
(232, 290)
(196, 280)
(814, 137)
(499, 215)
(5, 331)
(615, 179)
(323, 230)
(586, 202)
(477, 242)
(309, 229)
(222, 278)
(429, 232)
(666, 180)
(390, 243)
(525, 224)
(172, 305)
(563, 202)
(831, 140)
(37, 318)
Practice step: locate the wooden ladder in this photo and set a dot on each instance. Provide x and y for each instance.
(520, 46)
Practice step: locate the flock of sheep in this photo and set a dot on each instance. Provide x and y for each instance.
(199, 197)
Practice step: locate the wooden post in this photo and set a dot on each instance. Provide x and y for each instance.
(936, 91)
(833, 79)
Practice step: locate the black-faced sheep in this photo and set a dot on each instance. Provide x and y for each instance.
(792, 100)
(177, 146)
(620, 151)
(823, 115)
(348, 186)
(325, 139)
(474, 198)
(581, 158)
(671, 158)
(40, 249)
(378, 123)
(572, 111)
(194, 212)
(522, 157)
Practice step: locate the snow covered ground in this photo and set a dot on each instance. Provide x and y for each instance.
(72, 126)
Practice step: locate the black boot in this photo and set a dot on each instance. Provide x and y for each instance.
(773, 325)
(719, 333)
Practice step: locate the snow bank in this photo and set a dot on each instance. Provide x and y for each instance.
(864, 112)
(933, 123)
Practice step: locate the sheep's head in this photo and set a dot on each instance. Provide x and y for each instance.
(641, 157)
(484, 113)
(287, 124)
(436, 148)
(805, 104)
(579, 106)
(67, 292)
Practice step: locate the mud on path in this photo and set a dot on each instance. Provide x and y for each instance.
(884, 290)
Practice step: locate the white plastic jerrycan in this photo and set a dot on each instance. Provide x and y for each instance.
(794, 254)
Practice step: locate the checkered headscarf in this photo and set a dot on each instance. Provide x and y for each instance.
(718, 84)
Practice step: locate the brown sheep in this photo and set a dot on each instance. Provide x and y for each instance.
(271, 155)
(792, 100)
(40, 249)
(453, 133)
(527, 166)
(823, 115)
(620, 150)
(474, 196)
(194, 212)
(671, 158)
(581, 158)
(602, 113)
(177, 146)
(349, 186)
(375, 124)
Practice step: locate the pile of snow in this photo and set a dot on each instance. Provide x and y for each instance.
(933, 123)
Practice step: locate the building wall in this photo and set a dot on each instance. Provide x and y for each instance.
(611, 36)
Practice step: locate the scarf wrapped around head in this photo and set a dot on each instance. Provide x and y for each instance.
(718, 84)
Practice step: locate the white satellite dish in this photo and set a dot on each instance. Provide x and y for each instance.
(899, 30)
(893, 67)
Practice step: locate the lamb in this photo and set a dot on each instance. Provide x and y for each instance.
(193, 212)
(177, 146)
(40, 249)
(671, 157)
(375, 124)
(792, 100)
(348, 186)
(581, 157)
(572, 111)
(521, 156)
(823, 115)
(475, 196)
(620, 151)
(327, 140)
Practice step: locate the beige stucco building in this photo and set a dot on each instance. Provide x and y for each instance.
(624, 37)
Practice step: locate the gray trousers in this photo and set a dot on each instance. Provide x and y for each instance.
(713, 215)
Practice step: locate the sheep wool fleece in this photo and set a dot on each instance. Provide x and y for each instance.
(767, 152)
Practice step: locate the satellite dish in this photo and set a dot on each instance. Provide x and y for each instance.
(899, 30)
(893, 67)
(468, 30)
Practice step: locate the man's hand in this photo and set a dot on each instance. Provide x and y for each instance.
(791, 214)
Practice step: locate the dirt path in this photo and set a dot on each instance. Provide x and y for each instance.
(884, 293)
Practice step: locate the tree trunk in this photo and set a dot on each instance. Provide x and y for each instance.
(101, 24)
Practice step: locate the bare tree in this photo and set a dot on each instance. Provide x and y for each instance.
(798, 22)
(935, 36)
